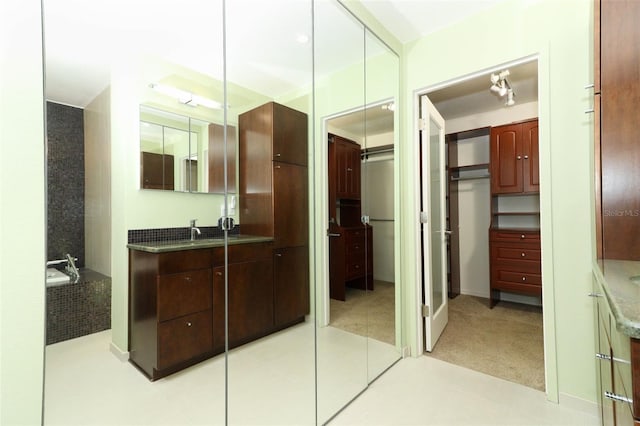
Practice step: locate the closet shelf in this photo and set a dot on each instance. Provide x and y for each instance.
(516, 213)
(469, 172)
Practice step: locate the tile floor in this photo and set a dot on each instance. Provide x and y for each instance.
(85, 384)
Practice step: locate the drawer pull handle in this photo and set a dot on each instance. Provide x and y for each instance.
(188, 324)
(278, 254)
(618, 398)
(278, 155)
(277, 167)
(522, 254)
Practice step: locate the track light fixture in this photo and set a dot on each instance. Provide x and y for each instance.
(501, 86)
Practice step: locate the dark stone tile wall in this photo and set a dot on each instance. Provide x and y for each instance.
(65, 182)
(175, 234)
(75, 310)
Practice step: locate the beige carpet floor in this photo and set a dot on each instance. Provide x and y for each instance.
(370, 313)
(505, 342)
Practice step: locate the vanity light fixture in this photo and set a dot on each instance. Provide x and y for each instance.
(185, 97)
(501, 86)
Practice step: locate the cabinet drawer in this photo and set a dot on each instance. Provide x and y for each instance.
(515, 251)
(519, 277)
(182, 261)
(185, 293)
(355, 269)
(513, 236)
(355, 236)
(535, 290)
(184, 338)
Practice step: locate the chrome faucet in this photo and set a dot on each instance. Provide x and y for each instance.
(194, 230)
(71, 268)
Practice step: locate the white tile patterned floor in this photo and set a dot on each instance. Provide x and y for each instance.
(271, 382)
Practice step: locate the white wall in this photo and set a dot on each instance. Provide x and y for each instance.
(564, 47)
(22, 213)
(97, 180)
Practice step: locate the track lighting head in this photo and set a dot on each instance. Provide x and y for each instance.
(501, 86)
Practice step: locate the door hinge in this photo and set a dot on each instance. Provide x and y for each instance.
(425, 311)
(421, 124)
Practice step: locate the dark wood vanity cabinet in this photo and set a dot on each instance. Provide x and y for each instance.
(156, 171)
(515, 159)
(170, 310)
(290, 284)
(274, 199)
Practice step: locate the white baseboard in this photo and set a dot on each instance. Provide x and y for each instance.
(120, 354)
(578, 404)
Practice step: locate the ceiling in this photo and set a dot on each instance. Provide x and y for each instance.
(85, 39)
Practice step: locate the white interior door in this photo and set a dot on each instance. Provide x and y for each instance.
(433, 226)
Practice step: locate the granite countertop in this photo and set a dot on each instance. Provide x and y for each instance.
(167, 246)
(620, 281)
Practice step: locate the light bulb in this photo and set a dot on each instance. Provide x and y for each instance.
(503, 89)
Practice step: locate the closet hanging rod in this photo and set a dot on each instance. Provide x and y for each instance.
(365, 153)
(381, 220)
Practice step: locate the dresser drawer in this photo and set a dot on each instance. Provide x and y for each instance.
(515, 251)
(355, 269)
(518, 277)
(184, 293)
(355, 236)
(513, 236)
(184, 338)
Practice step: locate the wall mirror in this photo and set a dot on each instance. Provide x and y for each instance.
(307, 371)
(183, 153)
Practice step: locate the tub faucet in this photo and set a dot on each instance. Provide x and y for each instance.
(194, 230)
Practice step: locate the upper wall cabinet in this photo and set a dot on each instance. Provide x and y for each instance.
(181, 153)
(514, 158)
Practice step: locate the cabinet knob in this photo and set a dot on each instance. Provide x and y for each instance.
(519, 157)
(522, 237)
(218, 273)
(357, 266)
(357, 247)
(524, 278)
(349, 169)
(522, 254)
(187, 279)
(278, 254)
(526, 157)
(188, 323)
(278, 155)
(277, 167)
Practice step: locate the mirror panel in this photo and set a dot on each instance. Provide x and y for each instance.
(269, 87)
(184, 153)
(340, 127)
(102, 57)
(378, 201)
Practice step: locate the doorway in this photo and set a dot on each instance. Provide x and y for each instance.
(471, 109)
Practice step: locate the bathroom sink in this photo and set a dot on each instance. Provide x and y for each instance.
(55, 277)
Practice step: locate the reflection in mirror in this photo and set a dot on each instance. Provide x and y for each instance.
(184, 153)
(378, 204)
(341, 334)
(269, 75)
(101, 58)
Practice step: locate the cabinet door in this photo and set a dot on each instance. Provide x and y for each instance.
(291, 284)
(347, 170)
(290, 205)
(157, 171)
(183, 338)
(530, 157)
(217, 158)
(289, 135)
(250, 307)
(506, 159)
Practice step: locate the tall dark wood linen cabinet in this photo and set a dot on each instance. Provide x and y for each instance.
(274, 199)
